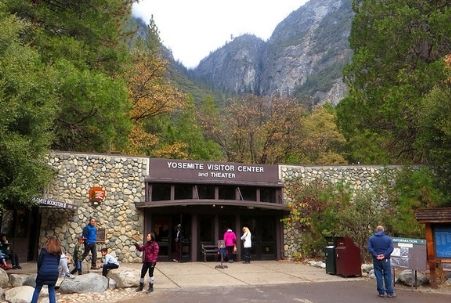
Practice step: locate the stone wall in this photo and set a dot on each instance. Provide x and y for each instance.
(123, 179)
(356, 177)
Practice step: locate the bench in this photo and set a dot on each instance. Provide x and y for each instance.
(209, 250)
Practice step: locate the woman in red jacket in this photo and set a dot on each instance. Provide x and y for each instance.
(150, 255)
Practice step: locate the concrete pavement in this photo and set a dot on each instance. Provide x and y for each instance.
(204, 274)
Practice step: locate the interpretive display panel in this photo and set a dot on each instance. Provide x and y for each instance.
(442, 239)
(409, 253)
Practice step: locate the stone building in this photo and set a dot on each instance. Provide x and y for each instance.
(130, 196)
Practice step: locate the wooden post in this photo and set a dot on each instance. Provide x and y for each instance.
(431, 256)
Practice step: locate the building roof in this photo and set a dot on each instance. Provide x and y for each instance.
(434, 215)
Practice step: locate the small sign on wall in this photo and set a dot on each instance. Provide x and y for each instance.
(97, 194)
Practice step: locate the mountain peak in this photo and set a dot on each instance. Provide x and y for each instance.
(304, 56)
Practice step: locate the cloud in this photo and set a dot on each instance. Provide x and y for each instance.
(192, 29)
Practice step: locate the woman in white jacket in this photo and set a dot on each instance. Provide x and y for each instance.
(247, 238)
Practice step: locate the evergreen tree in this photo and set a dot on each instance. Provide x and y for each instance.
(182, 137)
(398, 83)
(84, 41)
(399, 49)
(27, 111)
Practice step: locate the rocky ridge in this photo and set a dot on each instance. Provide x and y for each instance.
(304, 56)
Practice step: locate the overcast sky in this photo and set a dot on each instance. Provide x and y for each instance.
(194, 28)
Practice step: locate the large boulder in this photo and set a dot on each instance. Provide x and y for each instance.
(30, 280)
(366, 268)
(407, 277)
(125, 278)
(21, 294)
(4, 279)
(85, 283)
(18, 279)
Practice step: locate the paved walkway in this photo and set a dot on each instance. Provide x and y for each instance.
(171, 276)
(205, 274)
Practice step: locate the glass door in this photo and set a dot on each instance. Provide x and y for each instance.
(263, 230)
(161, 226)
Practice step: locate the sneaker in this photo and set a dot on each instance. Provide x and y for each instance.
(381, 295)
(70, 276)
(391, 295)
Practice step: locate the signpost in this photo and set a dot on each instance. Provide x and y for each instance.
(409, 253)
(438, 240)
(221, 248)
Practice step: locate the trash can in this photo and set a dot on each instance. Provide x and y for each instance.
(329, 253)
(348, 261)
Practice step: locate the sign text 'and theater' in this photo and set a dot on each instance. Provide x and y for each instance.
(210, 171)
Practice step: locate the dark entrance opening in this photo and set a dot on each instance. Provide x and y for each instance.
(165, 229)
(263, 230)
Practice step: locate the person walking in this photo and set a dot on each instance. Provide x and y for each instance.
(90, 235)
(247, 244)
(178, 243)
(230, 243)
(76, 256)
(380, 247)
(63, 269)
(48, 262)
(150, 255)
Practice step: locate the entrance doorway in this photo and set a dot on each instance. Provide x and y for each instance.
(263, 230)
(165, 229)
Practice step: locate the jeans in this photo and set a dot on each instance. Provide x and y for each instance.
(247, 254)
(107, 267)
(382, 271)
(77, 267)
(37, 290)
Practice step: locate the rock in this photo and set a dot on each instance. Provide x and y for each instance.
(125, 278)
(85, 283)
(18, 280)
(112, 284)
(319, 264)
(21, 294)
(30, 280)
(4, 279)
(366, 268)
(407, 277)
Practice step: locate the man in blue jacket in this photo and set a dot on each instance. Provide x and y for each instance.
(381, 246)
(90, 235)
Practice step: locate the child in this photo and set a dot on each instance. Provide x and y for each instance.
(63, 270)
(5, 249)
(78, 252)
(3, 263)
(110, 261)
(150, 256)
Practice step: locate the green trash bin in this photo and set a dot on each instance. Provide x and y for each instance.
(330, 255)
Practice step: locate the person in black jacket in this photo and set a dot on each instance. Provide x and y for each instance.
(48, 262)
